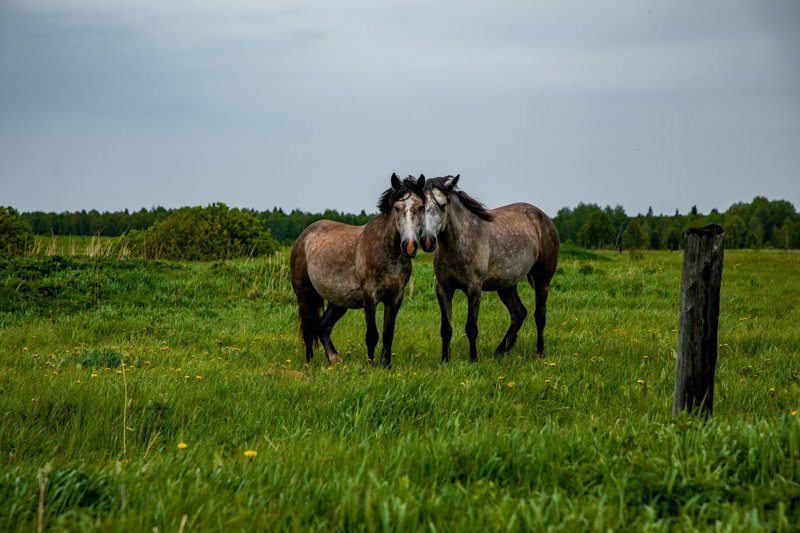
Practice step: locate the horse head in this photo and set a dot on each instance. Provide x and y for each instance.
(437, 198)
(405, 201)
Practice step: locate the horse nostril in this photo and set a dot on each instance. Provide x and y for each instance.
(410, 247)
(430, 244)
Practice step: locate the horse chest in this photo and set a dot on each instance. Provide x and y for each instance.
(388, 277)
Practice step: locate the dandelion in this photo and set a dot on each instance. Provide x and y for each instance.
(501, 378)
(510, 384)
(547, 382)
(198, 377)
(94, 373)
(182, 445)
(640, 382)
(794, 412)
(250, 453)
(772, 391)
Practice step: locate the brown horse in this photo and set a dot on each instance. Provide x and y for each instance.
(481, 250)
(358, 266)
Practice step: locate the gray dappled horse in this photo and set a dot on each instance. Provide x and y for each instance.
(358, 266)
(487, 250)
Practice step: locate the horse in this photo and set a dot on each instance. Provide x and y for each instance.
(352, 267)
(487, 250)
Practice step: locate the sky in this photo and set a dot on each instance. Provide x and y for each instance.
(312, 104)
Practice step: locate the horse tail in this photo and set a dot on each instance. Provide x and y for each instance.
(309, 313)
(309, 301)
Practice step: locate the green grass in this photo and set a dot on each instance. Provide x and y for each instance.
(207, 354)
(78, 245)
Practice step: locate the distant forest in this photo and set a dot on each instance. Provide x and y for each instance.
(757, 224)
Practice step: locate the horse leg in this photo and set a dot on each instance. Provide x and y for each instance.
(445, 297)
(516, 309)
(540, 277)
(473, 307)
(372, 330)
(329, 319)
(390, 309)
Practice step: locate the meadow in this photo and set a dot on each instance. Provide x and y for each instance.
(150, 395)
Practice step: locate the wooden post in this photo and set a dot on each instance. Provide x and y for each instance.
(697, 331)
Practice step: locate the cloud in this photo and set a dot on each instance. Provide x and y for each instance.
(244, 92)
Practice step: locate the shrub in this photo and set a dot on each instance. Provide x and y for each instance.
(203, 233)
(16, 234)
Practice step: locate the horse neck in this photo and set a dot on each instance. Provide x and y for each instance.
(391, 237)
(461, 224)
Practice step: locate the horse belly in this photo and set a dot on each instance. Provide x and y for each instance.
(507, 270)
(339, 288)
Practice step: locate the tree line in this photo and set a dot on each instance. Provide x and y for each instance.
(757, 224)
(284, 227)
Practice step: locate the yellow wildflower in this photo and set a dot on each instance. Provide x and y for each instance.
(250, 453)
(182, 445)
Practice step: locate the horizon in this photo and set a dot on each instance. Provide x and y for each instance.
(374, 211)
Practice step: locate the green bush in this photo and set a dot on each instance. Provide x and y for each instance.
(15, 232)
(203, 233)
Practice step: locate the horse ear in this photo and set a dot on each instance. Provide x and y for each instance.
(450, 184)
(395, 182)
(420, 184)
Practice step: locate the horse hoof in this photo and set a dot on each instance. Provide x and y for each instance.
(335, 359)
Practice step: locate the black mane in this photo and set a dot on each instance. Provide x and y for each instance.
(472, 205)
(390, 196)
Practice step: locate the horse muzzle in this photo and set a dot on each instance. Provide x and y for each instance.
(428, 244)
(409, 248)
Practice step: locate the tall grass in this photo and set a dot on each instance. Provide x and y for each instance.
(582, 439)
(76, 245)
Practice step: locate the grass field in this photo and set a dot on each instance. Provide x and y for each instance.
(137, 395)
(79, 245)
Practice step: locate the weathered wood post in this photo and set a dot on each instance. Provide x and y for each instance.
(697, 331)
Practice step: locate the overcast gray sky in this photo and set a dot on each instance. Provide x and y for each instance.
(313, 104)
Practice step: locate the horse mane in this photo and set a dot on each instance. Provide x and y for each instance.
(471, 204)
(390, 196)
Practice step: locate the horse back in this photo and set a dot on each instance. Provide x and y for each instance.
(526, 224)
